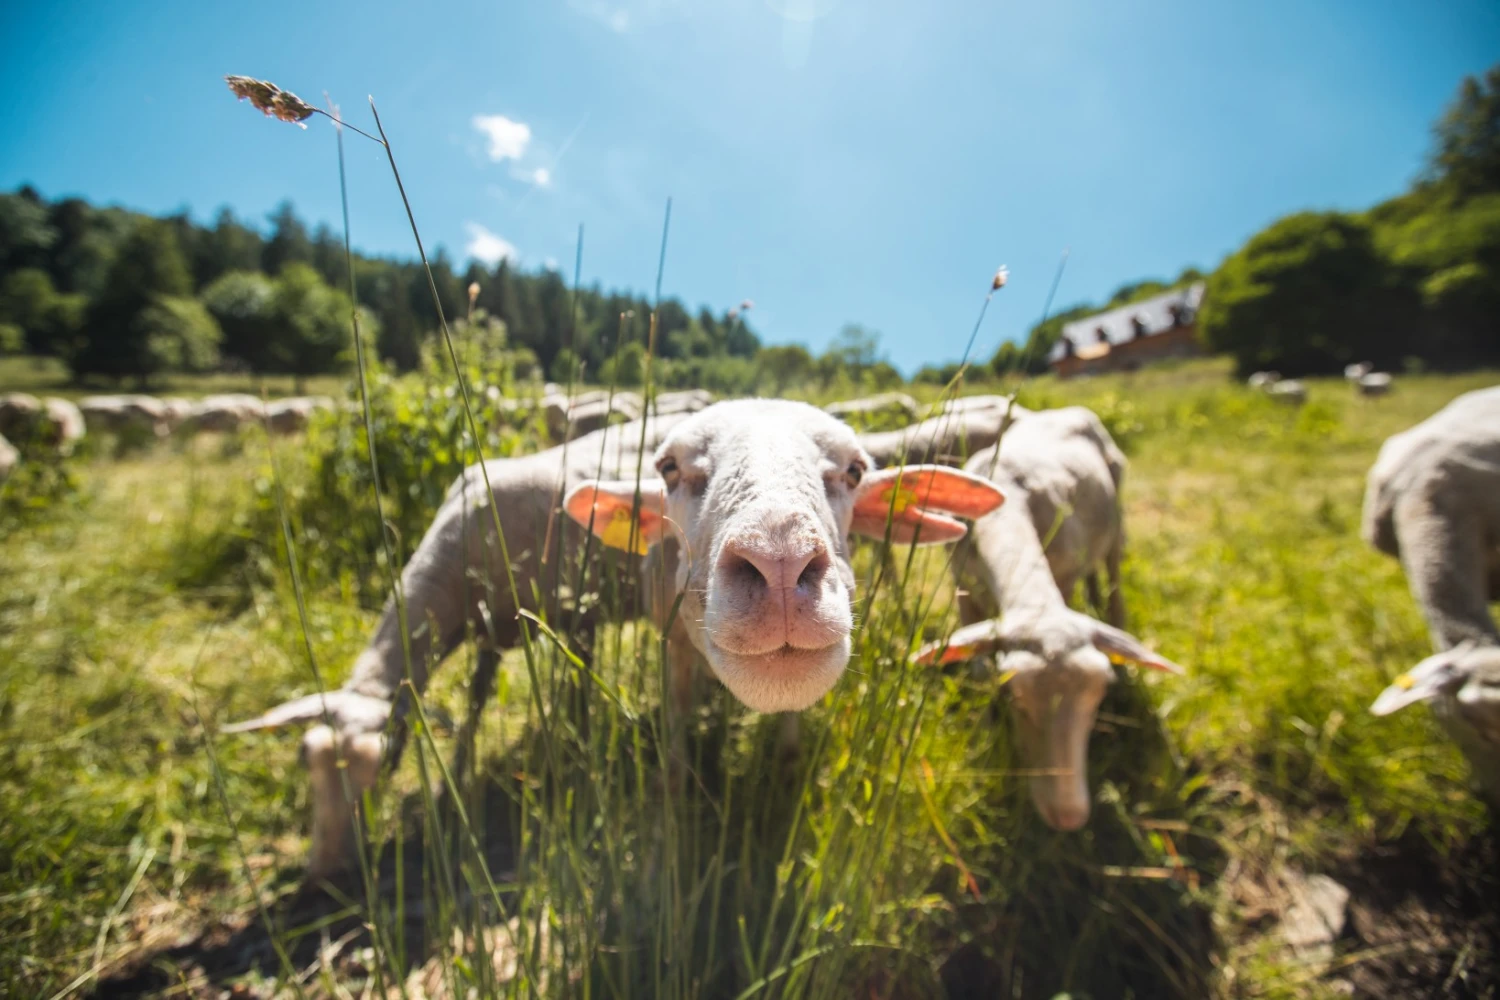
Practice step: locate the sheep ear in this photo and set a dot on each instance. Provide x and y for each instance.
(907, 498)
(604, 507)
(1419, 683)
(346, 710)
(968, 642)
(1118, 644)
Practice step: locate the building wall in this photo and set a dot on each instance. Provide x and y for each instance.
(1178, 342)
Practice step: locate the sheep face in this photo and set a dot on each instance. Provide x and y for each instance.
(762, 496)
(1055, 701)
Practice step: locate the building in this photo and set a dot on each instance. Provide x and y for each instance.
(1124, 339)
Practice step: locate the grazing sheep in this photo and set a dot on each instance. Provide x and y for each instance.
(1263, 380)
(965, 427)
(1060, 472)
(225, 414)
(124, 414)
(9, 458)
(1356, 372)
(685, 401)
(1288, 390)
(898, 401)
(1373, 384)
(291, 416)
(1433, 501)
(588, 412)
(766, 493)
(51, 422)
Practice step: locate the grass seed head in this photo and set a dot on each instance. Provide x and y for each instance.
(1001, 277)
(271, 99)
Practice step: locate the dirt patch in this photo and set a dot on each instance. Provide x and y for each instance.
(1423, 924)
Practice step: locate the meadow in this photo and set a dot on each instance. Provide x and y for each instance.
(192, 584)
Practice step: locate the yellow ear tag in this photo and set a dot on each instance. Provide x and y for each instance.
(904, 499)
(1405, 682)
(617, 533)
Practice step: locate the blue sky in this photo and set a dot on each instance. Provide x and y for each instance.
(833, 160)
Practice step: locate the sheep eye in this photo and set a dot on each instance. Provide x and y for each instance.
(667, 467)
(854, 474)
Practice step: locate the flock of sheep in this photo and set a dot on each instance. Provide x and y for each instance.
(1363, 376)
(765, 495)
(743, 512)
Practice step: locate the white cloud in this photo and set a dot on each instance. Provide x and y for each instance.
(507, 139)
(487, 247)
(539, 176)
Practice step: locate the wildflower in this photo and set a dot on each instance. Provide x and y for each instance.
(1001, 276)
(271, 99)
(473, 292)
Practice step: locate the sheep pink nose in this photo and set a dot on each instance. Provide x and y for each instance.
(776, 567)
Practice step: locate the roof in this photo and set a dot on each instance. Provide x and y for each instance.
(1155, 313)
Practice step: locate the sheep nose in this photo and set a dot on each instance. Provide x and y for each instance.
(774, 567)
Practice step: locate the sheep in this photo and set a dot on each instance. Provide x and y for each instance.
(1358, 371)
(897, 401)
(1432, 500)
(685, 401)
(1288, 390)
(290, 416)
(9, 458)
(765, 492)
(588, 412)
(52, 422)
(965, 427)
(1373, 384)
(225, 413)
(126, 414)
(1061, 473)
(1263, 380)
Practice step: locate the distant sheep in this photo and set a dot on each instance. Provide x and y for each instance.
(1356, 372)
(1289, 391)
(965, 427)
(124, 414)
(51, 422)
(897, 401)
(1373, 384)
(587, 412)
(1061, 473)
(225, 414)
(1263, 380)
(1433, 501)
(290, 416)
(9, 458)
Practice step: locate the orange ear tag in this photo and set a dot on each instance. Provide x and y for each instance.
(617, 533)
(904, 499)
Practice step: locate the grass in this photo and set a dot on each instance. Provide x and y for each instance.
(897, 858)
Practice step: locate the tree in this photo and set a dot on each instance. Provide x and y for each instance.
(243, 303)
(1467, 154)
(113, 341)
(25, 235)
(1308, 294)
(228, 246)
(288, 243)
(44, 319)
(785, 364)
(312, 324)
(178, 334)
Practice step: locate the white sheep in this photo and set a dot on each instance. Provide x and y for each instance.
(225, 413)
(894, 401)
(1288, 390)
(588, 411)
(127, 413)
(1061, 473)
(1263, 380)
(763, 493)
(965, 427)
(1433, 501)
(1373, 384)
(9, 458)
(291, 416)
(1358, 371)
(52, 422)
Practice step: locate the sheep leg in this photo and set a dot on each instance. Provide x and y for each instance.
(1116, 611)
(1093, 593)
(1443, 553)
